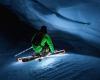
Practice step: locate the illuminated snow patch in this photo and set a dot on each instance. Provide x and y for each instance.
(49, 61)
(46, 62)
(16, 63)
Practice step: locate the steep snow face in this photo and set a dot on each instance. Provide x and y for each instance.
(77, 17)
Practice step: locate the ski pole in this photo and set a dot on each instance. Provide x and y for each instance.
(23, 51)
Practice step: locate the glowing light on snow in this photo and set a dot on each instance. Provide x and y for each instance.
(48, 61)
(16, 63)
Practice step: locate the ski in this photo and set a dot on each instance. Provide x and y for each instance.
(29, 58)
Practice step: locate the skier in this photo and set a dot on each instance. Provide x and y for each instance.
(42, 46)
(42, 43)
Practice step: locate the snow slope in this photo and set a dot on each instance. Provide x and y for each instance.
(66, 67)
